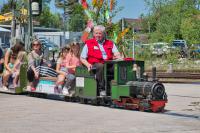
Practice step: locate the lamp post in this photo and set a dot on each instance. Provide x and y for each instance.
(64, 23)
(133, 43)
(149, 27)
(34, 9)
(63, 4)
(13, 23)
(30, 25)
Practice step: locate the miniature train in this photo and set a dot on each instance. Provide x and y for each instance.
(125, 86)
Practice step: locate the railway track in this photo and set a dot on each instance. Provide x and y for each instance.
(177, 77)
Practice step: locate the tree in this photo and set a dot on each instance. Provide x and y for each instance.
(72, 14)
(170, 19)
(7, 7)
(47, 19)
(77, 19)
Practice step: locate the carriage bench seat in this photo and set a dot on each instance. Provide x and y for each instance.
(49, 78)
(46, 85)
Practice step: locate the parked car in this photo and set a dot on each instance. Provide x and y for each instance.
(160, 48)
(53, 46)
(5, 45)
(195, 51)
(47, 44)
(181, 45)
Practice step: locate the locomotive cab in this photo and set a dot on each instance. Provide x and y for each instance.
(117, 72)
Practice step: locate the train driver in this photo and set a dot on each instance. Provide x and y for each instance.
(96, 51)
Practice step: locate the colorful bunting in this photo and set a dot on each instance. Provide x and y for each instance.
(94, 2)
(85, 36)
(100, 3)
(111, 4)
(115, 37)
(107, 12)
(122, 34)
(84, 4)
(87, 12)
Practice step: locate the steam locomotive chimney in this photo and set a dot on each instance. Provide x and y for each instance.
(154, 74)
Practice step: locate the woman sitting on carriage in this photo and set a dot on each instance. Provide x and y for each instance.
(37, 65)
(12, 60)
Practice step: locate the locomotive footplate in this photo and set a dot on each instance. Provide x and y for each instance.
(140, 104)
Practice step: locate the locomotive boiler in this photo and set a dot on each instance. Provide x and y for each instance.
(147, 89)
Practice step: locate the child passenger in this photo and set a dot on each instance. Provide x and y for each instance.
(73, 63)
(16, 67)
(61, 68)
(66, 64)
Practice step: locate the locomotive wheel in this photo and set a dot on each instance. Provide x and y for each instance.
(73, 99)
(67, 99)
(83, 101)
(106, 102)
(161, 110)
(95, 102)
(141, 108)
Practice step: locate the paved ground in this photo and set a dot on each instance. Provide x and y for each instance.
(22, 114)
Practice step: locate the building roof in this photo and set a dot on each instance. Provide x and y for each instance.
(2, 17)
(132, 20)
(4, 30)
(137, 23)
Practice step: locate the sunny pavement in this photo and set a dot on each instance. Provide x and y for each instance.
(23, 114)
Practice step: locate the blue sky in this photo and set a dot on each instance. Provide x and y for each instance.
(132, 9)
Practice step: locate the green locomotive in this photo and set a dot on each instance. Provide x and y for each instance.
(125, 87)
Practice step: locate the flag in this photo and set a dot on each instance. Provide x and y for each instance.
(122, 34)
(111, 4)
(84, 4)
(94, 2)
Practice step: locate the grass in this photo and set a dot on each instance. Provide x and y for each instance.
(184, 65)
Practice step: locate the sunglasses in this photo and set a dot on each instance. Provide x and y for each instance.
(36, 44)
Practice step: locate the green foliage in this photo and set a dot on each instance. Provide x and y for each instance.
(74, 19)
(77, 19)
(190, 30)
(7, 7)
(47, 19)
(143, 53)
(172, 57)
(177, 19)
